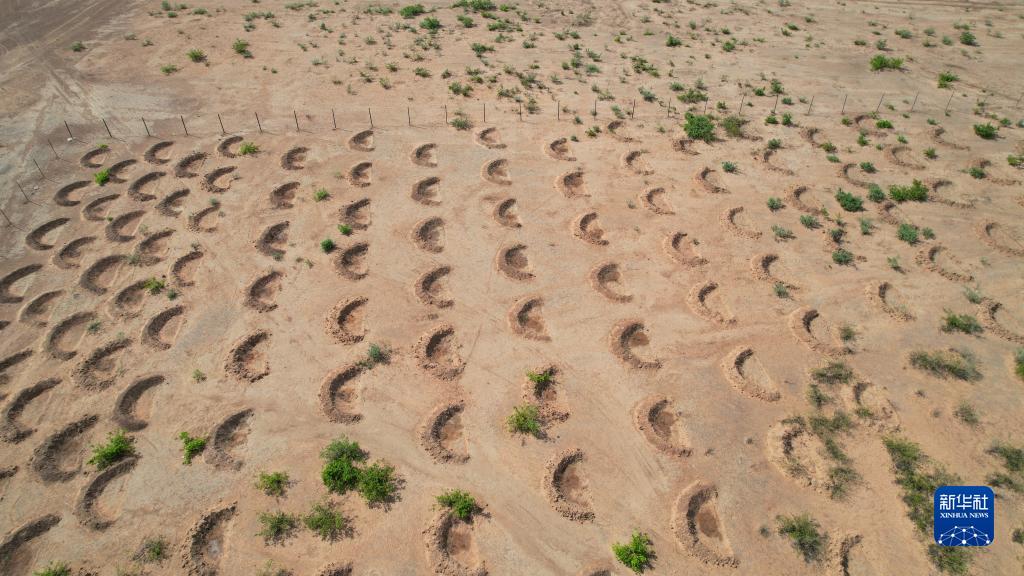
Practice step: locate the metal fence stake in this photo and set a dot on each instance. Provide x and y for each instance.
(222, 130)
(109, 135)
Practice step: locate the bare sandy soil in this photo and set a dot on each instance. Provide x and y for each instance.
(683, 295)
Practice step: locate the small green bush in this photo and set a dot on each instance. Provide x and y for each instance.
(833, 373)
(272, 483)
(412, 11)
(327, 245)
(907, 233)
(377, 483)
(883, 62)
(842, 257)
(54, 568)
(340, 476)
(196, 55)
(809, 221)
(672, 41)
(101, 177)
(276, 526)
(849, 202)
(118, 446)
(525, 419)
(875, 193)
(192, 446)
(248, 149)
(959, 364)
(635, 554)
(699, 127)
(775, 204)
(729, 167)
(803, 531)
(326, 522)
(986, 131)
(461, 503)
(965, 323)
(430, 24)
(916, 192)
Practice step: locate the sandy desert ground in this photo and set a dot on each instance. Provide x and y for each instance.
(272, 226)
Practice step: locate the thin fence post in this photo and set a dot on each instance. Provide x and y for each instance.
(742, 98)
(811, 105)
(258, 124)
(776, 105)
(183, 124)
(520, 111)
(408, 115)
(38, 168)
(69, 130)
(1019, 99)
(485, 112)
(9, 223)
(632, 110)
(843, 111)
(915, 101)
(334, 119)
(879, 103)
(109, 135)
(54, 150)
(446, 114)
(22, 190)
(595, 107)
(219, 119)
(370, 114)
(296, 116)
(558, 110)
(146, 126)
(946, 111)
(706, 100)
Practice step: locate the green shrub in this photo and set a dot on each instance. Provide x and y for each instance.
(55, 568)
(986, 131)
(967, 414)
(466, 21)
(965, 323)
(153, 550)
(774, 144)
(875, 193)
(833, 373)
(803, 531)
(276, 526)
(345, 229)
(782, 233)
(775, 204)
(809, 221)
(729, 167)
(907, 233)
(461, 503)
(327, 245)
(967, 38)
(321, 194)
(1018, 362)
(431, 24)
(461, 123)
(780, 290)
(168, 69)
(699, 127)
(377, 483)
(636, 554)
(241, 47)
(868, 167)
(930, 153)
(191, 446)
(101, 177)
(77, 46)
(842, 257)
(273, 483)
(849, 202)
(118, 446)
(733, 126)
(343, 449)
(672, 41)
(883, 124)
(959, 364)
(916, 192)
(248, 149)
(327, 523)
(196, 55)
(340, 476)
(412, 11)
(525, 419)
(883, 62)
(947, 78)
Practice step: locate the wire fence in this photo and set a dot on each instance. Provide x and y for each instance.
(37, 163)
